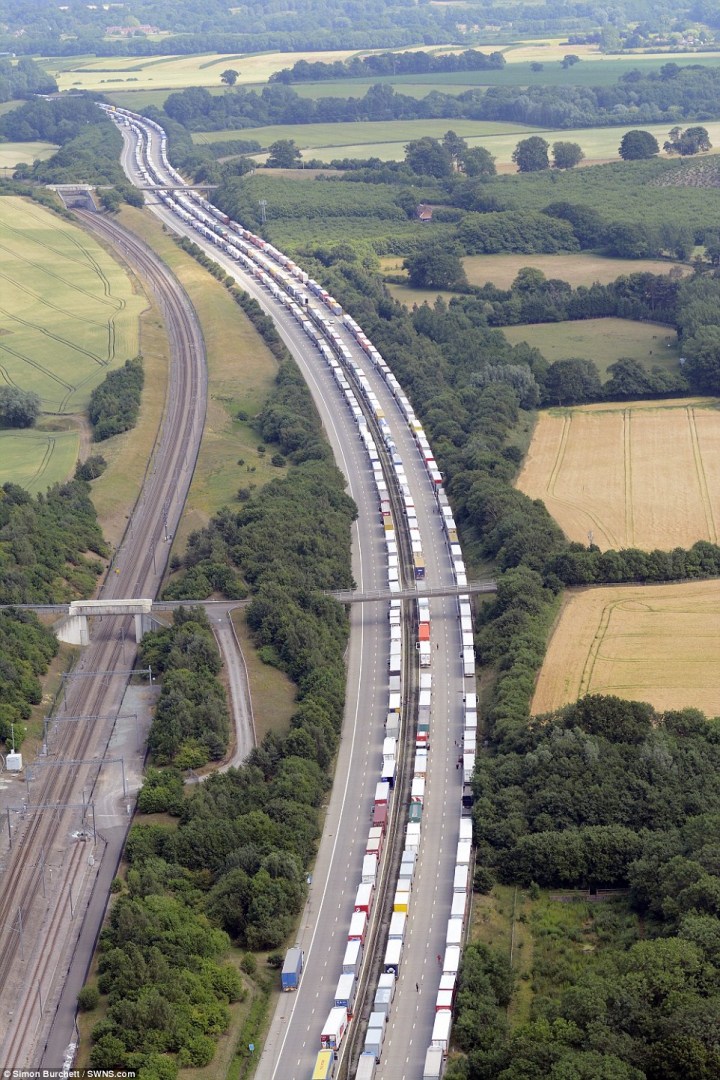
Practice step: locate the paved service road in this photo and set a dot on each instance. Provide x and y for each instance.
(294, 1036)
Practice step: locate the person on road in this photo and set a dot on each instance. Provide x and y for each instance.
(439, 958)
(417, 988)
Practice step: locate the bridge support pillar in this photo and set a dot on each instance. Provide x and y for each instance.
(74, 630)
(143, 623)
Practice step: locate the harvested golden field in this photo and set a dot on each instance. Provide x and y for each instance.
(642, 474)
(657, 643)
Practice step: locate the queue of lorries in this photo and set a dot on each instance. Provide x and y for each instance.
(292, 287)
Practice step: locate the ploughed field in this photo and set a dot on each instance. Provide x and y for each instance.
(657, 643)
(634, 474)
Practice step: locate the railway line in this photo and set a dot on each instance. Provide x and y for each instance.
(39, 923)
(343, 369)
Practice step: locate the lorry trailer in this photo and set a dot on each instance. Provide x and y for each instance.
(292, 969)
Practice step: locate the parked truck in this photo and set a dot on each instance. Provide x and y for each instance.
(292, 969)
(434, 1062)
(334, 1030)
(345, 993)
(441, 1030)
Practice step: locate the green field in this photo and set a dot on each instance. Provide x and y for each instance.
(68, 311)
(603, 341)
(13, 152)
(359, 136)
(386, 139)
(585, 268)
(37, 459)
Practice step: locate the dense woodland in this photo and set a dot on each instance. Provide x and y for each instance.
(26, 649)
(43, 545)
(604, 793)
(46, 28)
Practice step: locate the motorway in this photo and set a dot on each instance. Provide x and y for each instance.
(39, 927)
(294, 1036)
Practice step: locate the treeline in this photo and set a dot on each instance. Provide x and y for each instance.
(115, 403)
(42, 544)
(577, 565)
(24, 78)
(603, 793)
(191, 724)
(389, 63)
(671, 95)
(26, 648)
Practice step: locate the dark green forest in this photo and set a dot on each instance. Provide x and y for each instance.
(26, 649)
(605, 793)
(115, 403)
(43, 541)
(261, 25)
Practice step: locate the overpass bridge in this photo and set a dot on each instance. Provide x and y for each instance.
(74, 628)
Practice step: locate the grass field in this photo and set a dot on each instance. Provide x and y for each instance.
(583, 269)
(172, 72)
(601, 340)
(11, 153)
(392, 132)
(272, 692)
(115, 492)
(241, 372)
(636, 474)
(37, 459)
(657, 643)
(68, 310)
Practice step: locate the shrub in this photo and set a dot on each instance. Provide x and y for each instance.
(88, 998)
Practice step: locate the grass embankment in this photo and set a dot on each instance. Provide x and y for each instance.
(637, 474)
(273, 692)
(656, 643)
(127, 455)
(241, 371)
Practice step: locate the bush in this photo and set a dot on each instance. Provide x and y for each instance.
(116, 885)
(88, 998)
(115, 403)
(278, 460)
(90, 469)
(483, 880)
(275, 960)
(18, 408)
(249, 964)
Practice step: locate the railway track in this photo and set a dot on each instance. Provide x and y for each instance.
(33, 958)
